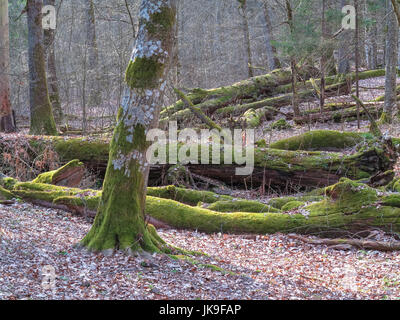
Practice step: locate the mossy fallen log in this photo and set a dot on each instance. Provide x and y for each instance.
(274, 102)
(246, 89)
(279, 168)
(69, 175)
(5, 194)
(348, 207)
(306, 92)
(237, 205)
(322, 140)
(348, 113)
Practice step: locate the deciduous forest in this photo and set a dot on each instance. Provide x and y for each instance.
(199, 150)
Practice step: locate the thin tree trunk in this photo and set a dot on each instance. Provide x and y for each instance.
(52, 80)
(42, 119)
(391, 65)
(7, 123)
(357, 58)
(323, 59)
(343, 60)
(273, 61)
(295, 106)
(91, 83)
(246, 33)
(120, 221)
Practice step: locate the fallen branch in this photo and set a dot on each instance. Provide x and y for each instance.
(344, 244)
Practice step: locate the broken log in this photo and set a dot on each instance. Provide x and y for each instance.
(341, 244)
(348, 207)
(278, 168)
(228, 106)
(246, 89)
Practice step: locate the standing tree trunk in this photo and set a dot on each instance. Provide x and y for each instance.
(295, 106)
(391, 65)
(273, 61)
(120, 221)
(7, 123)
(246, 33)
(52, 80)
(343, 60)
(42, 119)
(91, 82)
(323, 59)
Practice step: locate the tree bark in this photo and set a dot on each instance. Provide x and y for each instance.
(7, 121)
(42, 118)
(120, 221)
(246, 34)
(273, 60)
(91, 92)
(52, 79)
(343, 60)
(391, 66)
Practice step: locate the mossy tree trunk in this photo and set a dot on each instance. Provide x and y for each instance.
(7, 123)
(42, 119)
(120, 222)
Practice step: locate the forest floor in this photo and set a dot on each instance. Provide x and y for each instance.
(233, 267)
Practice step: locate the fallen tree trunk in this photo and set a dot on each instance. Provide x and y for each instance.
(226, 107)
(345, 114)
(348, 207)
(246, 89)
(274, 102)
(343, 244)
(272, 167)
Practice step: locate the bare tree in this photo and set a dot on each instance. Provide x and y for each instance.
(7, 123)
(42, 119)
(52, 80)
(246, 33)
(391, 65)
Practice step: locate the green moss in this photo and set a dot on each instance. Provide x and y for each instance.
(195, 218)
(187, 196)
(252, 118)
(241, 206)
(349, 206)
(144, 73)
(319, 140)
(51, 176)
(280, 124)
(5, 194)
(292, 205)
(392, 200)
(8, 183)
(280, 202)
(385, 119)
(160, 23)
(349, 195)
(83, 149)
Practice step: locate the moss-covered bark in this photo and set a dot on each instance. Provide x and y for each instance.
(346, 207)
(69, 175)
(321, 140)
(277, 168)
(120, 222)
(246, 89)
(42, 119)
(228, 101)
